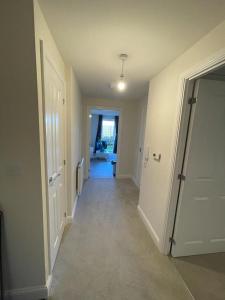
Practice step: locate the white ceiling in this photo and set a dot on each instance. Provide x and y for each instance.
(91, 33)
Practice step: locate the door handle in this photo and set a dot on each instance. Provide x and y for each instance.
(50, 180)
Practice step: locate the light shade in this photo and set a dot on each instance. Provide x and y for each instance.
(121, 85)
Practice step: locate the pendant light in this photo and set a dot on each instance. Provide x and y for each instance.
(122, 85)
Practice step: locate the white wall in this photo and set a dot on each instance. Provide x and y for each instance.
(162, 115)
(74, 136)
(128, 138)
(20, 168)
(93, 129)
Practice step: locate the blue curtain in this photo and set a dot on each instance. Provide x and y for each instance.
(116, 135)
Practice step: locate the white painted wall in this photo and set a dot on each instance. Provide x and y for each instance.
(93, 129)
(162, 114)
(20, 168)
(74, 136)
(129, 130)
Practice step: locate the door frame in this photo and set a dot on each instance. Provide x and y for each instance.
(45, 54)
(141, 139)
(88, 123)
(185, 87)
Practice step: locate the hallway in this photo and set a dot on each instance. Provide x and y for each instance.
(108, 254)
(101, 169)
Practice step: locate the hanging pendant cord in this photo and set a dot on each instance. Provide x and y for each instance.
(122, 75)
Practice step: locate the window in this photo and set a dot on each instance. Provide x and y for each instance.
(108, 128)
(108, 134)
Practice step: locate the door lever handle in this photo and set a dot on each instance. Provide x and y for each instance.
(50, 180)
(53, 178)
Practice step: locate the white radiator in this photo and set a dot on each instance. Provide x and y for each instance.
(80, 176)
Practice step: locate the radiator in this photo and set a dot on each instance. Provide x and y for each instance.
(80, 176)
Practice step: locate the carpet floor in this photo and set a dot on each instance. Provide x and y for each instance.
(107, 253)
(204, 275)
(101, 169)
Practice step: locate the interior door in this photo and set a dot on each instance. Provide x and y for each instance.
(200, 221)
(54, 126)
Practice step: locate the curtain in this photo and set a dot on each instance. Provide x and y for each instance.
(116, 135)
(99, 132)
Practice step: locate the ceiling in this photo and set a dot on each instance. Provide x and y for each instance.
(92, 33)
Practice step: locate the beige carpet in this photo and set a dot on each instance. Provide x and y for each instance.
(108, 254)
(204, 275)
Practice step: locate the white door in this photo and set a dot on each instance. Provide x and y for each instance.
(200, 221)
(54, 126)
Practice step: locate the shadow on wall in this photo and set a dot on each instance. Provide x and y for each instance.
(5, 279)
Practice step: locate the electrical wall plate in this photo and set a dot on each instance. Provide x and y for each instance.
(157, 156)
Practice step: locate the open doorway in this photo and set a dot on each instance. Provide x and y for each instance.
(198, 239)
(199, 222)
(103, 142)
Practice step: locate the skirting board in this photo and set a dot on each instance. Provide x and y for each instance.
(69, 219)
(48, 283)
(31, 293)
(123, 176)
(149, 227)
(135, 182)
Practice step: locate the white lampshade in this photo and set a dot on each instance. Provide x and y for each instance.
(121, 85)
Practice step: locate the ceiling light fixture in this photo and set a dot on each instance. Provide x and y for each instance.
(122, 85)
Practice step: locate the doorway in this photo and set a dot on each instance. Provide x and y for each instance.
(198, 239)
(103, 142)
(199, 222)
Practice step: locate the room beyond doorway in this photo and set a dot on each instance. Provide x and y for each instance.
(103, 142)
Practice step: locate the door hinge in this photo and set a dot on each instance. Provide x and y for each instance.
(63, 101)
(64, 162)
(181, 177)
(172, 241)
(192, 100)
(65, 214)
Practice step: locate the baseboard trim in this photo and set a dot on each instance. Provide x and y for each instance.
(149, 227)
(48, 283)
(30, 293)
(69, 219)
(135, 182)
(124, 176)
